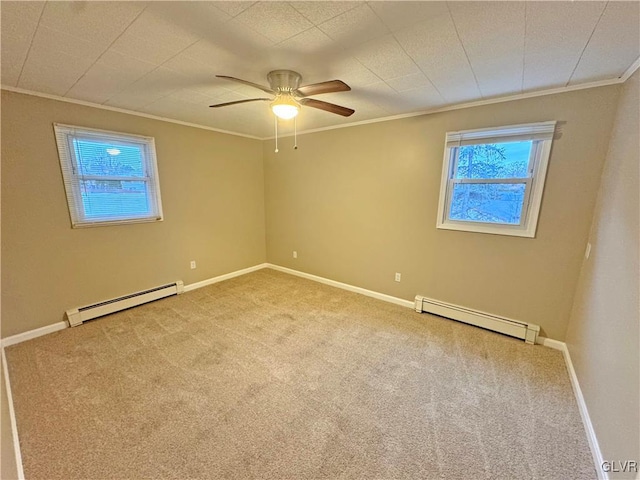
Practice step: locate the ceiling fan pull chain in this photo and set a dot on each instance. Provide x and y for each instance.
(295, 133)
(276, 120)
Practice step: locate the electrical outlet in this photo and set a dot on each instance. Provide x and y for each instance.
(295, 254)
(193, 264)
(587, 252)
(398, 277)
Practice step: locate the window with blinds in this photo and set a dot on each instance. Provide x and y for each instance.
(109, 178)
(493, 179)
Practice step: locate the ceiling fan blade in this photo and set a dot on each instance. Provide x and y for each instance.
(324, 87)
(326, 106)
(240, 101)
(246, 82)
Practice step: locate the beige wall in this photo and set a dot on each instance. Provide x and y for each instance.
(212, 189)
(8, 463)
(359, 204)
(604, 332)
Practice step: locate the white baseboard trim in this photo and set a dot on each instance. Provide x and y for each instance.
(226, 276)
(551, 343)
(12, 417)
(345, 286)
(582, 406)
(38, 332)
(547, 342)
(586, 419)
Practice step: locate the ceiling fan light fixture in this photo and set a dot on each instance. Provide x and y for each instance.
(285, 107)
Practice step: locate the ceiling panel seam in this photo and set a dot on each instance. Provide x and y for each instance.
(393, 34)
(325, 20)
(295, 35)
(370, 71)
(24, 62)
(161, 66)
(466, 55)
(524, 47)
(595, 27)
(240, 12)
(105, 50)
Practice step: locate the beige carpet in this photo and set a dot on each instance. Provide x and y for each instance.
(271, 376)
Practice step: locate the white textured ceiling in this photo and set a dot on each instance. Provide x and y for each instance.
(161, 58)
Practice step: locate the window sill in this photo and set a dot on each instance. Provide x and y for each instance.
(490, 229)
(116, 222)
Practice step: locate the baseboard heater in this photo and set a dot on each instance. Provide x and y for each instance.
(81, 314)
(514, 328)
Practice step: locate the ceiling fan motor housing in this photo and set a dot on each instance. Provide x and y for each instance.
(284, 81)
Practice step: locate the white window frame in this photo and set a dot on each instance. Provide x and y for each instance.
(542, 136)
(65, 135)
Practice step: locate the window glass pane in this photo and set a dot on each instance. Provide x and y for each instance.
(487, 202)
(114, 198)
(494, 160)
(109, 159)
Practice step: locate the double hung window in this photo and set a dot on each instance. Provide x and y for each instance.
(109, 177)
(493, 179)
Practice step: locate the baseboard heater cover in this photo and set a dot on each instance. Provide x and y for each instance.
(514, 328)
(81, 314)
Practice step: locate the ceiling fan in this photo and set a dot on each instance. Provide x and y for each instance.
(289, 96)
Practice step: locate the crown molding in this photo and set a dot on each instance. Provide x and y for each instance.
(459, 106)
(448, 108)
(123, 110)
(631, 70)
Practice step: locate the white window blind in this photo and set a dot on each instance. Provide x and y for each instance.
(512, 133)
(109, 177)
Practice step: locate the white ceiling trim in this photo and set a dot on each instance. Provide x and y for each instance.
(491, 101)
(123, 110)
(631, 70)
